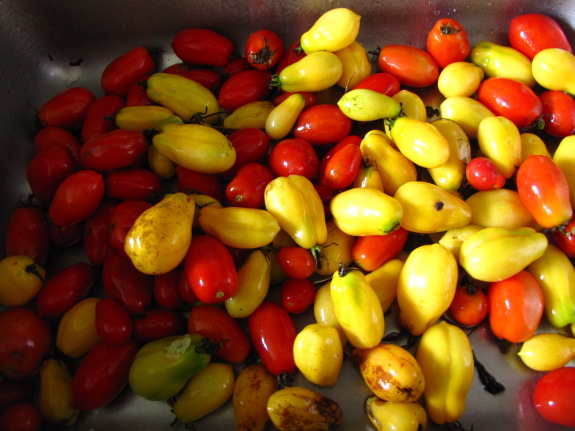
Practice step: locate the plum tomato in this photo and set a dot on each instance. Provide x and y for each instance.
(27, 234)
(448, 42)
(244, 87)
(21, 416)
(15, 392)
(247, 187)
(369, 252)
(469, 306)
(113, 321)
(412, 66)
(533, 32)
(482, 174)
(310, 98)
(290, 55)
(384, 83)
(95, 232)
(67, 109)
(322, 124)
(202, 46)
(65, 236)
(553, 396)
(294, 156)
(564, 238)
(208, 77)
(558, 113)
(263, 49)
(165, 289)
(198, 182)
(121, 221)
(158, 323)
(342, 166)
(138, 95)
(251, 145)
(100, 116)
(110, 151)
(51, 136)
(122, 72)
(235, 65)
(297, 295)
(133, 184)
(296, 262)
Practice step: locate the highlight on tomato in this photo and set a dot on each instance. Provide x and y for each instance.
(412, 66)
(293, 156)
(469, 306)
(558, 113)
(483, 175)
(553, 396)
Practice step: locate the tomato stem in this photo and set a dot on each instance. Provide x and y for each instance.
(316, 253)
(33, 268)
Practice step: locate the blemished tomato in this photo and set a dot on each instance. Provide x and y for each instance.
(384, 83)
(469, 307)
(121, 221)
(158, 323)
(448, 42)
(67, 109)
(273, 333)
(51, 136)
(100, 116)
(322, 124)
(292, 54)
(553, 396)
(244, 87)
(564, 238)
(515, 307)
(511, 99)
(412, 66)
(113, 150)
(296, 262)
(371, 251)
(202, 46)
(210, 269)
(294, 156)
(165, 289)
(113, 322)
(482, 174)
(95, 233)
(558, 113)
(133, 184)
(21, 416)
(263, 49)
(27, 234)
(119, 75)
(209, 78)
(251, 145)
(533, 32)
(216, 324)
(247, 187)
(26, 340)
(77, 197)
(197, 182)
(297, 295)
(342, 166)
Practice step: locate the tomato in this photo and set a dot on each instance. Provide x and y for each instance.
(294, 156)
(273, 333)
(322, 124)
(47, 169)
(113, 322)
(67, 109)
(469, 307)
(310, 98)
(297, 295)
(235, 65)
(342, 167)
(263, 49)
(197, 182)
(65, 236)
(27, 234)
(511, 99)
(185, 290)
(553, 396)
(384, 83)
(51, 136)
(157, 323)
(251, 145)
(296, 262)
(95, 233)
(113, 150)
(217, 325)
(247, 187)
(165, 289)
(482, 174)
(558, 113)
(209, 78)
(138, 94)
(291, 55)
(26, 340)
(102, 374)
(65, 288)
(119, 75)
(564, 238)
(133, 184)
(99, 118)
(202, 46)
(412, 66)
(371, 251)
(515, 307)
(210, 269)
(244, 87)
(14, 392)
(448, 42)
(22, 416)
(77, 197)
(534, 32)
(121, 221)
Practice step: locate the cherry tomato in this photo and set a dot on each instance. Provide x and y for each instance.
(113, 150)
(297, 295)
(157, 323)
(210, 269)
(22, 416)
(165, 289)
(251, 145)
(202, 46)
(294, 156)
(14, 392)
(448, 42)
(247, 187)
(67, 109)
(77, 197)
(511, 99)
(65, 288)
(197, 182)
(553, 396)
(263, 49)
(121, 221)
(342, 166)
(65, 236)
(244, 87)
(99, 118)
(292, 54)
(95, 233)
(133, 184)
(51, 136)
(209, 78)
(558, 113)
(384, 83)
(564, 238)
(296, 262)
(371, 251)
(113, 322)
(138, 94)
(273, 333)
(412, 66)
(515, 307)
(469, 307)
(482, 174)
(26, 340)
(322, 124)
(216, 324)
(27, 234)
(533, 32)
(119, 75)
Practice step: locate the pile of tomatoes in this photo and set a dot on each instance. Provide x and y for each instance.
(99, 166)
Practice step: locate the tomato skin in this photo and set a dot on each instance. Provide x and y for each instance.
(448, 42)
(67, 109)
(322, 124)
(296, 262)
(342, 168)
(95, 232)
(121, 221)
(113, 322)
(297, 295)
(251, 145)
(51, 136)
(137, 94)
(565, 238)
(64, 289)
(185, 290)
(157, 323)
(14, 392)
(209, 78)
(483, 175)
(553, 396)
(65, 236)
(236, 65)
(102, 374)
(263, 49)
(99, 118)
(469, 308)
(165, 289)
(273, 333)
(119, 75)
(294, 156)
(412, 66)
(244, 87)
(27, 234)
(247, 187)
(197, 182)
(202, 46)
(113, 150)
(133, 184)
(384, 83)
(22, 416)
(371, 251)
(216, 324)
(292, 54)
(531, 33)
(558, 113)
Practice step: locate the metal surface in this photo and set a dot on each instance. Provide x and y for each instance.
(49, 45)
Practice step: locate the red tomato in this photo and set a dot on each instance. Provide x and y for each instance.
(77, 197)
(564, 238)
(133, 184)
(26, 340)
(482, 174)
(553, 396)
(102, 375)
(544, 190)
(296, 262)
(447, 42)
(196, 182)
(244, 87)
(251, 145)
(533, 32)
(263, 49)
(67, 109)
(113, 150)
(47, 169)
(558, 113)
(511, 99)
(100, 116)
(65, 288)
(209, 78)
(14, 392)
(236, 65)
(125, 70)
(95, 233)
(216, 324)
(165, 289)
(27, 234)
(291, 55)
(202, 46)
(412, 66)
(371, 251)
(113, 322)
(297, 295)
(210, 269)
(515, 307)
(384, 83)
(322, 124)
(158, 323)
(185, 290)
(122, 220)
(247, 187)
(294, 156)
(22, 416)
(273, 333)
(65, 236)
(138, 95)
(342, 167)
(51, 136)
(469, 308)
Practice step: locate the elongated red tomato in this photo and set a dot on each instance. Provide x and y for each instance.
(263, 49)
(342, 167)
(412, 66)
(117, 149)
(113, 322)
(96, 232)
(447, 42)
(533, 32)
(322, 124)
(158, 323)
(125, 70)
(247, 187)
(297, 295)
(27, 234)
(544, 190)
(100, 116)
(202, 46)
(294, 156)
(133, 184)
(198, 182)
(209, 78)
(67, 109)
(137, 94)
(51, 136)
(122, 220)
(384, 83)
(292, 54)
(251, 145)
(553, 396)
(165, 289)
(558, 113)
(371, 251)
(244, 87)
(273, 333)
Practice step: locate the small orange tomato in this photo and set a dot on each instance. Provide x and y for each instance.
(447, 42)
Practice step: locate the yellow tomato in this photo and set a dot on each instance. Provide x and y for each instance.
(499, 208)
(315, 72)
(141, 118)
(335, 250)
(411, 104)
(383, 281)
(160, 164)
(392, 416)
(554, 69)
(531, 144)
(460, 79)
(251, 115)
(503, 61)
(453, 238)
(547, 351)
(21, 278)
(362, 104)
(564, 157)
(500, 140)
(465, 111)
(254, 385)
(334, 30)
(282, 118)
(324, 311)
(55, 396)
(368, 176)
(356, 65)
(77, 332)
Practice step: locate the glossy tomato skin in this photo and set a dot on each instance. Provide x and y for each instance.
(244, 87)
(290, 55)
(157, 323)
(296, 262)
(322, 124)
(553, 396)
(297, 295)
(51, 136)
(371, 251)
(565, 238)
(133, 184)
(294, 156)
(197, 182)
(165, 289)
(216, 324)
(342, 167)
(384, 83)
(99, 118)
(113, 150)
(251, 145)
(209, 78)
(412, 66)
(102, 374)
(121, 221)
(119, 75)
(95, 232)
(26, 340)
(247, 187)
(263, 49)
(113, 322)
(202, 46)
(558, 113)
(273, 333)
(531, 33)
(185, 289)
(483, 175)
(448, 42)
(21, 416)
(469, 308)
(27, 234)
(67, 109)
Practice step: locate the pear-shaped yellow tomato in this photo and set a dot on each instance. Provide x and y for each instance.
(254, 385)
(368, 176)
(77, 332)
(140, 118)
(460, 79)
(282, 118)
(334, 30)
(564, 157)
(355, 63)
(335, 250)
(500, 140)
(453, 238)
(503, 61)
(160, 237)
(251, 115)
(547, 351)
(392, 416)
(465, 111)
(21, 278)
(324, 312)
(55, 393)
(363, 104)
(499, 208)
(315, 72)
(160, 164)
(554, 69)
(384, 280)
(412, 104)
(532, 145)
